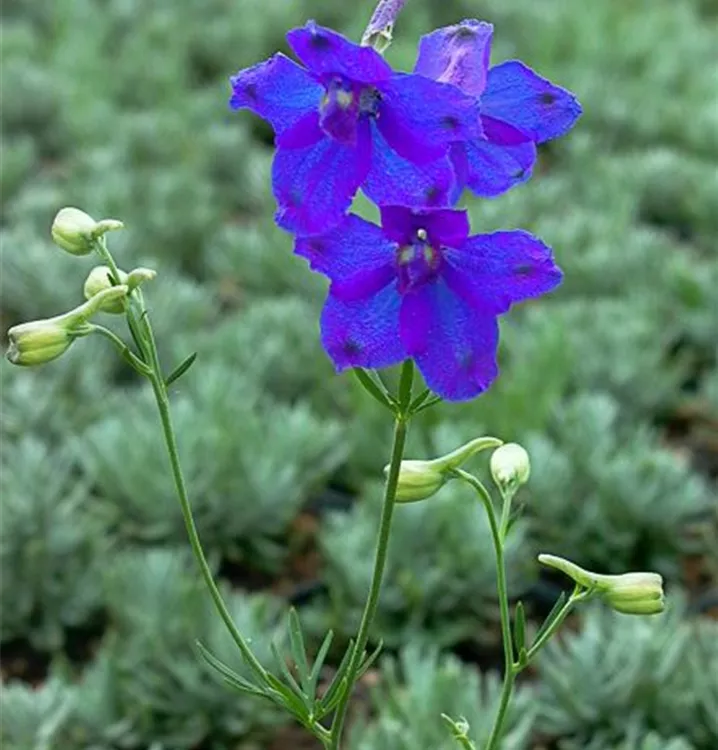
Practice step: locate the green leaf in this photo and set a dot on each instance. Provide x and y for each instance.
(552, 615)
(318, 664)
(181, 369)
(520, 628)
(298, 649)
(364, 667)
(228, 675)
(294, 687)
(373, 389)
(332, 693)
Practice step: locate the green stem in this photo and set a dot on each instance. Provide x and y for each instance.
(578, 595)
(509, 668)
(387, 512)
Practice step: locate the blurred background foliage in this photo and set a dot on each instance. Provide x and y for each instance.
(120, 107)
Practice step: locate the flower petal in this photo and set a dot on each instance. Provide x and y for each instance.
(488, 169)
(453, 345)
(393, 179)
(314, 186)
(515, 94)
(353, 255)
(493, 271)
(324, 51)
(278, 90)
(443, 226)
(457, 54)
(363, 332)
(420, 118)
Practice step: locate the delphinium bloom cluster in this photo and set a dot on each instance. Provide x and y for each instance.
(419, 286)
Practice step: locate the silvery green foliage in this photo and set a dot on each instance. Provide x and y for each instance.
(249, 465)
(159, 609)
(620, 676)
(440, 576)
(606, 495)
(31, 718)
(650, 741)
(50, 548)
(414, 690)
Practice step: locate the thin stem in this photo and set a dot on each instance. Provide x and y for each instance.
(505, 514)
(125, 352)
(387, 512)
(509, 669)
(382, 19)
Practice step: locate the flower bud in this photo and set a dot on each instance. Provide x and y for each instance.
(99, 280)
(629, 593)
(510, 466)
(41, 341)
(421, 479)
(139, 276)
(74, 230)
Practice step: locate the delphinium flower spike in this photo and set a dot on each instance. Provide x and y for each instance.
(346, 121)
(419, 286)
(519, 108)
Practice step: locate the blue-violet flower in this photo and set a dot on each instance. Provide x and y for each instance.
(519, 108)
(348, 121)
(419, 286)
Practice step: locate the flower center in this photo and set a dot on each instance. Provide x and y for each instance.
(339, 110)
(417, 263)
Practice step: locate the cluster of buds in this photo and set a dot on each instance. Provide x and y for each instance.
(41, 341)
(629, 593)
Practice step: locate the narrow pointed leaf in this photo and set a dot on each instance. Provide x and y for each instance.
(372, 388)
(298, 649)
(366, 663)
(318, 664)
(520, 628)
(557, 607)
(332, 690)
(289, 699)
(293, 685)
(229, 675)
(419, 400)
(181, 369)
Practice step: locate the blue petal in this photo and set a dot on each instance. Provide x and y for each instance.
(493, 271)
(515, 94)
(314, 186)
(422, 117)
(363, 332)
(394, 180)
(325, 52)
(458, 55)
(278, 90)
(454, 345)
(488, 169)
(354, 255)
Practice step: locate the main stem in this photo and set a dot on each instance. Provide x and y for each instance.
(509, 668)
(382, 547)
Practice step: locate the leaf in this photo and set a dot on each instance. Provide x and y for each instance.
(318, 664)
(298, 649)
(229, 676)
(373, 389)
(520, 628)
(552, 615)
(181, 369)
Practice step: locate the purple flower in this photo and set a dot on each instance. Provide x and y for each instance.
(419, 286)
(348, 121)
(519, 109)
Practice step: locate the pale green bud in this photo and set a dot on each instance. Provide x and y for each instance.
(139, 276)
(510, 466)
(75, 231)
(630, 593)
(41, 341)
(99, 280)
(421, 479)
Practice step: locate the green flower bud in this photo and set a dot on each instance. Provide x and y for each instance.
(41, 341)
(510, 466)
(74, 230)
(99, 280)
(421, 479)
(629, 593)
(139, 276)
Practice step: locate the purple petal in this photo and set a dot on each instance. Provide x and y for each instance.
(422, 117)
(458, 55)
(278, 90)
(516, 95)
(488, 169)
(326, 52)
(393, 179)
(363, 332)
(354, 251)
(314, 186)
(443, 226)
(502, 133)
(493, 271)
(305, 132)
(453, 345)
